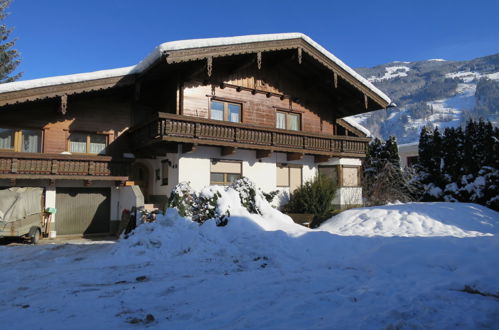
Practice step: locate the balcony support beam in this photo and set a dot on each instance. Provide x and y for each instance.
(321, 159)
(188, 147)
(227, 151)
(263, 154)
(294, 156)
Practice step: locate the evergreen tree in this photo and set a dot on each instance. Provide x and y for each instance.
(452, 160)
(383, 179)
(9, 57)
(392, 152)
(425, 154)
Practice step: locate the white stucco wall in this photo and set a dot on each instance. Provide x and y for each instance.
(195, 167)
(407, 150)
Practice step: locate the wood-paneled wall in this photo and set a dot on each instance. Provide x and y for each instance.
(257, 108)
(86, 113)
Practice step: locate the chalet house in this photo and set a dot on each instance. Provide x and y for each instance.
(267, 107)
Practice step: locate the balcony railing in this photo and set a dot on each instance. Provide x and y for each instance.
(185, 129)
(17, 165)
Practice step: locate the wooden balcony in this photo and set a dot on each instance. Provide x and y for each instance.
(19, 165)
(199, 131)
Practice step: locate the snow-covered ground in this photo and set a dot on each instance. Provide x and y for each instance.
(265, 272)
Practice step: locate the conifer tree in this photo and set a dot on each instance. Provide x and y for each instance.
(9, 57)
(425, 154)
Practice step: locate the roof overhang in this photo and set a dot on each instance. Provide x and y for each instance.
(191, 50)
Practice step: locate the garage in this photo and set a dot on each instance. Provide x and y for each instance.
(82, 211)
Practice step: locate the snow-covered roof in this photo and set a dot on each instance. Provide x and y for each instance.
(183, 45)
(354, 123)
(66, 79)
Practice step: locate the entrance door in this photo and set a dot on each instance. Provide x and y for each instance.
(140, 176)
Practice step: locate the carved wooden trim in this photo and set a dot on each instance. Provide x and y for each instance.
(63, 106)
(193, 54)
(209, 65)
(39, 93)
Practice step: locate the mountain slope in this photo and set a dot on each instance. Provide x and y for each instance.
(434, 92)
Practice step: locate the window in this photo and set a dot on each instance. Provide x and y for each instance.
(164, 172)
(350, 176)
(288, 120)
(87, 143)
(227, 111)
(224, 172)
(330, 171)
(7, 137)
(21, 140)
(289, 176)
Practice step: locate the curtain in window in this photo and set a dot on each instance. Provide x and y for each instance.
(97, 144)
(293, 122)
(6, 138)
(217, 110)
(234, 113)
(31, 141)
(78, 143)
(280, 120)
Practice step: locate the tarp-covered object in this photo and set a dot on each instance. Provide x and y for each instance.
(18, 203)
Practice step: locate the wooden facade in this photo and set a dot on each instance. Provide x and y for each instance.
(170, 103)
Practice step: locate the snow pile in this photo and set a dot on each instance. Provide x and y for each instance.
(416, 219)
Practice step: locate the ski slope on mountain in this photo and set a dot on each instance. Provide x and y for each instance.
(434, 92)
(265, 272)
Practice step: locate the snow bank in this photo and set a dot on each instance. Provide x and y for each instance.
(259, 272)
(188, 44)
(416, 219)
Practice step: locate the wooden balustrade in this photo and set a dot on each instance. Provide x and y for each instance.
(176, 128)
(47, 166)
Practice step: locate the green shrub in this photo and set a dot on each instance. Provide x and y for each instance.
(315, 197)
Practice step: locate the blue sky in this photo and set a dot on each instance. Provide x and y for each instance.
(61, 37)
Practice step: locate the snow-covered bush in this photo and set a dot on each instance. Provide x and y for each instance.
(204, 205)
(199, 207)
(182, 198)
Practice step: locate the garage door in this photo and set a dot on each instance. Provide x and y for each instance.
(82, 211)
